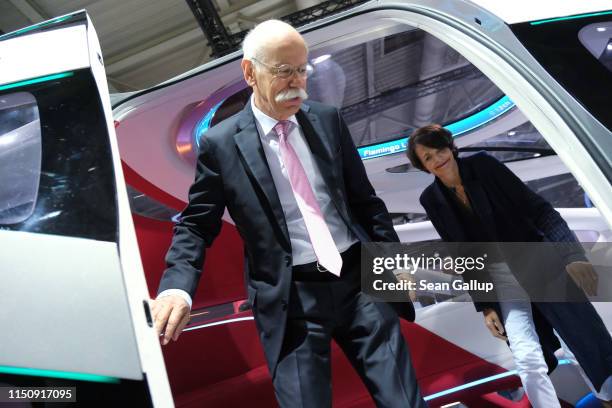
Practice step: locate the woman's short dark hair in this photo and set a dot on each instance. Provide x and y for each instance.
(434, 136)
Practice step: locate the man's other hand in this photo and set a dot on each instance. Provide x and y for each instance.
(408, 277)
(584, 276)
(170, 315)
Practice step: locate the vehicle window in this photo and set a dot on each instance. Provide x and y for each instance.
(577, 52)
(597, 38)
(20, 156)
(385, 87)
(56, 167)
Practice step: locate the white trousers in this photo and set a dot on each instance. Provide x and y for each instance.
(527, 354)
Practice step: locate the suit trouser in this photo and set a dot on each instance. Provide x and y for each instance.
(368, 332)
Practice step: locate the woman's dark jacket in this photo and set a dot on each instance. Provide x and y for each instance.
(508, 212)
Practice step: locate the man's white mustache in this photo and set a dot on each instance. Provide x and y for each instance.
(291, 93)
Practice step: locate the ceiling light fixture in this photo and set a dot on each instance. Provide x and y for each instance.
(320, 59)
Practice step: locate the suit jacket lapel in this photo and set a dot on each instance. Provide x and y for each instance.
(248, 142)
(321, 150)
(316, 138)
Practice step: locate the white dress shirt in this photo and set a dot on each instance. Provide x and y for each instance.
(302, 251)
(301, 246)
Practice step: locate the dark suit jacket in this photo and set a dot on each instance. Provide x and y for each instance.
(510, 212)
(232, 172)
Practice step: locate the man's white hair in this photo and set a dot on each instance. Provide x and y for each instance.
(260, 36)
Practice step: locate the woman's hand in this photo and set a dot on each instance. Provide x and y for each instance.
(494, 324)
(584, 276)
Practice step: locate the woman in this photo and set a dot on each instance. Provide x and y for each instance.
(478, 199)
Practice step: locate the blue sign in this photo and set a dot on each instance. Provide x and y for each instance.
(462, 126)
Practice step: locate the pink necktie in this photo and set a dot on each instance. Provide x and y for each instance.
(320, 237)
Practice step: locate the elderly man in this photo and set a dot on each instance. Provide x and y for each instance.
(292, 180)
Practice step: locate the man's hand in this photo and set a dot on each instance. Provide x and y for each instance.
(170, 315)
(584, 276)
(494, 324)
(406, 276)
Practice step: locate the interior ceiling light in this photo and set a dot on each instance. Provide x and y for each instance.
(320, 59)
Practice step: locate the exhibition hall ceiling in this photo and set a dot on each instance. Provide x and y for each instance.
(145, 42)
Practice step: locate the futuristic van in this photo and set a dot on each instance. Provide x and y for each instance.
(529, 85)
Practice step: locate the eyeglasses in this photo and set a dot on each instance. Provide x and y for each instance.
(286, 71)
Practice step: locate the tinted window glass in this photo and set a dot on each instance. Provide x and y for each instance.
(561, 47)
(76, 192)
(597, 38)
(20, 156)
(386, 87)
